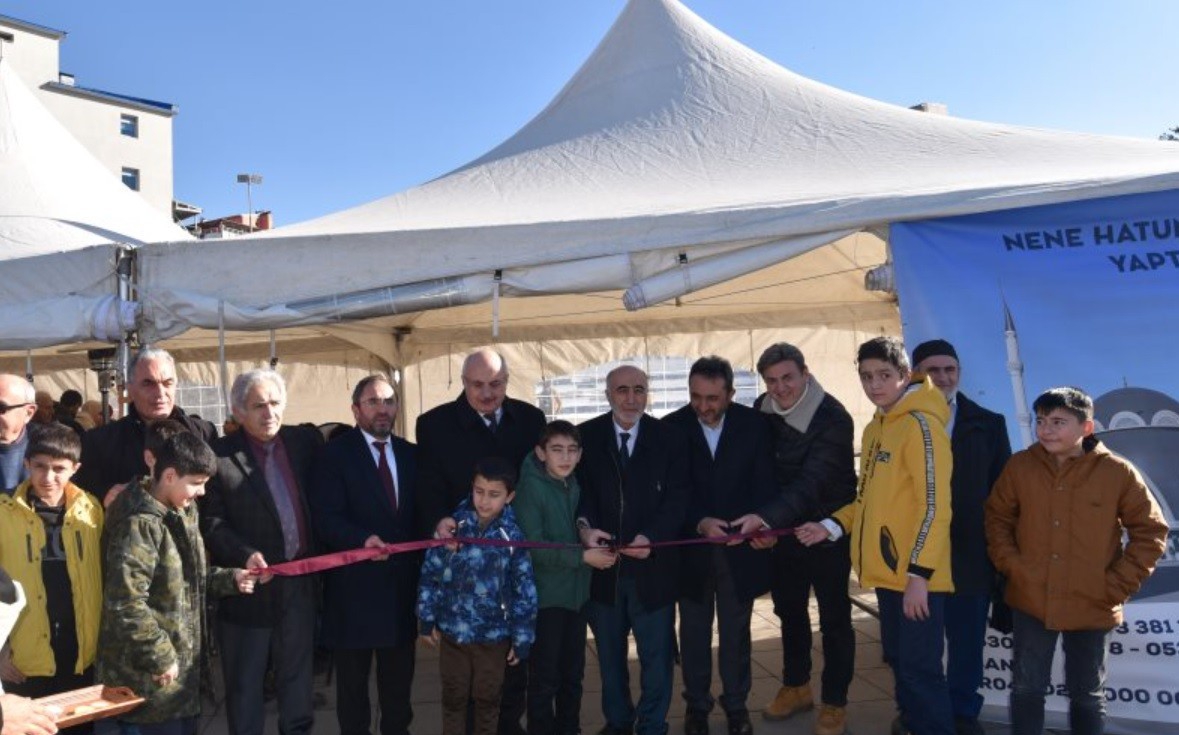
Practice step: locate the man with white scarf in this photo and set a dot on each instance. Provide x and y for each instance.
(815, 471)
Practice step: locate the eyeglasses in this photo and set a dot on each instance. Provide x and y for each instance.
(5, 408)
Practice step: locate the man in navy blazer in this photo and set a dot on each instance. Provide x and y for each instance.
(254, 513)
(363, 496)
(732, 475)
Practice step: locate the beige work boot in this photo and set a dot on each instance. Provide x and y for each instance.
(832, 720)
(790, 701)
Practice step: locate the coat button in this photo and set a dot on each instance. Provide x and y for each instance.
(1056, 521)
(1056, 557)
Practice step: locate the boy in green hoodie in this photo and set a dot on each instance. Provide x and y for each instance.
(546, 509)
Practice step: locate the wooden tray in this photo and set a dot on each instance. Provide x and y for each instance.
(91, 703)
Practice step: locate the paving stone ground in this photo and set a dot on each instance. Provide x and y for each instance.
(870, 702)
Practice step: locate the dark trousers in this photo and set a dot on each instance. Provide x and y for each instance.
(1031, 670)
(556, 666)
(825, 569)
(512, 702)
(65, 681)
(245, 652)
(472, 673)
(733, 655)
(179, 726)
(914, 650)
(966, 630)
(394, 680)
(655, 639)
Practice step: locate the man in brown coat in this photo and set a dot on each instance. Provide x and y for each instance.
(1054, 524)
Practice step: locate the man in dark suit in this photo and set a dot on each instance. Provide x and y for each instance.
(254, 514)
(815, 470)
(481, 422)
(981, 447)
(732, 476)
(363, 496)
(634, 491)
(112, 454)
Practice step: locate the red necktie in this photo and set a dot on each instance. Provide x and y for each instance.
(386, 474)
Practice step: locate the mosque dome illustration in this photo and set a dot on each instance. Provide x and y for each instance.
(1142, 425)
(1129, 408)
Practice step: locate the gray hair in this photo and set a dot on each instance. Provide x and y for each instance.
(780, 352)
(247, 380)
(149, 354)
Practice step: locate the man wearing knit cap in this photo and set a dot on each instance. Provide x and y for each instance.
(981, 447)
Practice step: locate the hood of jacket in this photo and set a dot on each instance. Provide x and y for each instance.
(533, 470)
(467, 521)
(921, 395)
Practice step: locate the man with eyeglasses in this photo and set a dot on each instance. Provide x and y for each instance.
(363, 495)
(481, 422)
(17, 407)
(112, 455)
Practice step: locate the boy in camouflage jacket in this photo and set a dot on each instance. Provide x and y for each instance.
(479, 602)
(156, 580)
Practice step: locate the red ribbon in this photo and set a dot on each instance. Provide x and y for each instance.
(313, 564)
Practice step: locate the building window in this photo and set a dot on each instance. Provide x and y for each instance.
(582, 395)
(129, 125)
(204, 401)
(131, 178)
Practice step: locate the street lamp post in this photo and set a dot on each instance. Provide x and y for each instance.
(250, 180)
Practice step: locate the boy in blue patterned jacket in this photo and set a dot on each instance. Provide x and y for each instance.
(478, 603)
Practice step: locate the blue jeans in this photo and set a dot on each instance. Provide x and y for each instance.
(913, 648)
(966, 630)
(655, 639)
(1031, 671)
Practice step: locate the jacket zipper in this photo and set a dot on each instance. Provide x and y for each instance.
(870, 470)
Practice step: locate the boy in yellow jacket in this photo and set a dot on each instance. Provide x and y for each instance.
(50, 533)
(900, 529)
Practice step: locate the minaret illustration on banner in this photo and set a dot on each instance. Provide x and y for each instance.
(1015, 368)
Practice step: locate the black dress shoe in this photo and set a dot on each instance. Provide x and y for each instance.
(611, 730)
(898, 727)
(695, 723)
(740, 724)
(964, 726)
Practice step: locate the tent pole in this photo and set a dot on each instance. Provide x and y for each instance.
(221, 356)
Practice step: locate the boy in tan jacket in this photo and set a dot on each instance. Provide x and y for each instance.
(1054, 522)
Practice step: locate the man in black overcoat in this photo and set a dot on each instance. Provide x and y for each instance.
(732, 476)
(364, 495)
(481, 422)
(981, 448)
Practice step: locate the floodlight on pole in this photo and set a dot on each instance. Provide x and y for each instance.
(250, 180)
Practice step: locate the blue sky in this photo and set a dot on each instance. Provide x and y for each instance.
(339, 103)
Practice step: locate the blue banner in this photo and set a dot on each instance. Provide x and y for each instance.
(1082, 294)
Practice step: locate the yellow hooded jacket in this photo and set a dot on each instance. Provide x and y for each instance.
(900, 519)
(22, 539)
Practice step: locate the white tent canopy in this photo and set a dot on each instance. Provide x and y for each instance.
(675, 158)
(62, 216)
